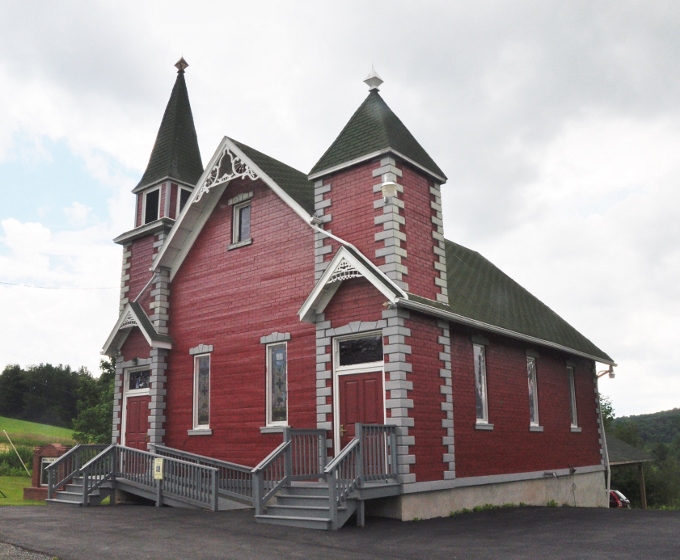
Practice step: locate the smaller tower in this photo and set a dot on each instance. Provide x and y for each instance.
(166, 185)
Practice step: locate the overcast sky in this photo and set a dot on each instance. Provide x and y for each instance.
(557, 124)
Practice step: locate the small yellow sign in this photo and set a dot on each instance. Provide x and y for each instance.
(158, 468)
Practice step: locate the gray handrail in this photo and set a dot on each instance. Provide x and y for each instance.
(269, 476)
(185, 480)
(301, 456)
(370, 456)
(70, 463)
(234, 481)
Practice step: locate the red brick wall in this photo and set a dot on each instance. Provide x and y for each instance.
(427, 398)
(135, 346)
(352, 209)
(355, 300)
(174, 193)
(353, 213)
(141, 258)
(229, 299)
(140, 208)
(418, 228)
(511, 447)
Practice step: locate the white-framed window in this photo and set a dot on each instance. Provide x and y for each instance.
(152, 205)
(241, 221)
(182, 199)
(44, 463)
(137, 381)
(533, 391)
(572, 397)
(202, 392)
(358, 353)
(277, 384)
(482, 405)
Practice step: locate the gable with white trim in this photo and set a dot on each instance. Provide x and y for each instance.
(346, 266)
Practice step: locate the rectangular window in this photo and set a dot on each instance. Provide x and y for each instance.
(151, 205)
(139, 379)
(184, 195)
(202, 391)
(480, 384)
(533, 391)
(241, 222)
(277, 384)
(572, 397)
(44, 463)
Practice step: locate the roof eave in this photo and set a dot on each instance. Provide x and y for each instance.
(455, 317)
(147, 184)
(378, 153)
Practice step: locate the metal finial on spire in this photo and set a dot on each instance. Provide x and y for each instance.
(373, 81)
(181, 65)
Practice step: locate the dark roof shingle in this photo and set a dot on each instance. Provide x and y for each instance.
(372, 128)
(293, 182)
(621, 453)
(175, 153)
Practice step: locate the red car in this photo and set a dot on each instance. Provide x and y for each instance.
(618, 500)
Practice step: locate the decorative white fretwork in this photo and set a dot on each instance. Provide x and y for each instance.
(344, 271)
(128, 322)
(239, 169)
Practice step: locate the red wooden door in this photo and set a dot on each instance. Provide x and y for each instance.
(361, 400)
(137, 421)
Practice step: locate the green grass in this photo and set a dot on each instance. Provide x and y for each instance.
(13, 488)
(32, 434)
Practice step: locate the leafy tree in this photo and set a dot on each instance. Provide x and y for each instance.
(607, 411)
(12, 389)
(95, 408)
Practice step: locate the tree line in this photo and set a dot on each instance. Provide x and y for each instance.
(61, 396)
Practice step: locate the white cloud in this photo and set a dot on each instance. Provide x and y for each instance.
(78, 214)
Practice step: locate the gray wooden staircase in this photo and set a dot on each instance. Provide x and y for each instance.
(294, 485)
(305, 506)
(72, 494)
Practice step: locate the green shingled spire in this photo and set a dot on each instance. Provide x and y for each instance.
(373, 128)
(175, 153)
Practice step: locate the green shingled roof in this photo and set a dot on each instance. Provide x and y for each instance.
(620, 453)
(175, 153)
(480, 291)
(372, 128)
(293, 182)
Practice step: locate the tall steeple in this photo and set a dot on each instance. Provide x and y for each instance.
(175, 154)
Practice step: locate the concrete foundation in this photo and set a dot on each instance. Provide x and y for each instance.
(580, 490)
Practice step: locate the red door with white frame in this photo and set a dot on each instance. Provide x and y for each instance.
(137, 421)
(361, 400)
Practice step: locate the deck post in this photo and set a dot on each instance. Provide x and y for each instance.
(359, 434)
(393, 453)
(50, 483)
(85, 496)
(361, 513)
(159, 493)
(214, 497)
(258, 489)
(288, 456)
(643, 494)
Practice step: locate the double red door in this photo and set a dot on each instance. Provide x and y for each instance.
(137, 421)
(361, 400)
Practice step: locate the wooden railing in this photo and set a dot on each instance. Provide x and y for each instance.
(301, 456)
(69, 466)
(186, 481)
(370, 457)
(97, 471)
(234, 481)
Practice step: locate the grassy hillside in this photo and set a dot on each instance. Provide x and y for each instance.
(13, 489)
(31, 434)
(660, 427)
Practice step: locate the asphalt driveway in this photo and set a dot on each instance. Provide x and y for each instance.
(131, 532)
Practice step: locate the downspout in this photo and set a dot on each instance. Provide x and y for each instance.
(610, 371)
